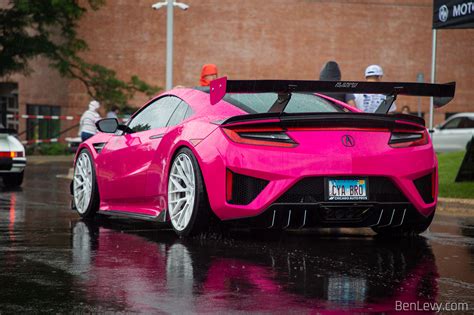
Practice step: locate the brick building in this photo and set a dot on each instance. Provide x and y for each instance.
(256, 39)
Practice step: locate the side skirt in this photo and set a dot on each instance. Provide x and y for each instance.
(131, 215)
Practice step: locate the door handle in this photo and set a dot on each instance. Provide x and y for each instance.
(157, 136)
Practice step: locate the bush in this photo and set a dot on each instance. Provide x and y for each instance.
(48, 149)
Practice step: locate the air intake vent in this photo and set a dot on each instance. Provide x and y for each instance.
(244, 188)
(424, 185)
(99, 146)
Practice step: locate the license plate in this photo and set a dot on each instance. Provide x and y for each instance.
(347, 189)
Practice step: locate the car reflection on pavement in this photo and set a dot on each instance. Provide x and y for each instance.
(147, 271)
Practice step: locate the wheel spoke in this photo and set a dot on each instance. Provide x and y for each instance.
(177, 184)
(181, 172)
(177, 208)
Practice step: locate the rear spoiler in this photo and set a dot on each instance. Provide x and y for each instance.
(444, 93)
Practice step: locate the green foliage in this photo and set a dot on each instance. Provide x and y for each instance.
(449, 164)
(47, 149)
(48, 28)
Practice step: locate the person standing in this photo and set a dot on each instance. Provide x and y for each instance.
(113, 113)
(370, 102)
(331, 72)
(87, 126)
(208, 73)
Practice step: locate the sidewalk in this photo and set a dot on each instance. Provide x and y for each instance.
(456, 206)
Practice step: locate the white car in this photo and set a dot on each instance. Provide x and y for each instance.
(12, 158)
(454, 133)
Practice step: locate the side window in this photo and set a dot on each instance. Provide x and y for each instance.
(467, 123)
(453, 124)
(179, 114)
(155, 115)
(189, 113)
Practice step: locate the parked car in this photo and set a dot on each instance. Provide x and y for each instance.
(454, 134)
(12, 158)
(265, 153)
(73, 143)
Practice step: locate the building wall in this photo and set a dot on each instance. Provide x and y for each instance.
(44, 86)
(277, 39)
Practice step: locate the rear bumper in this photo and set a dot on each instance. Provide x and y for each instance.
(284, 168)
(12, 165)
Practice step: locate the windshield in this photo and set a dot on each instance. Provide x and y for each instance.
(257, 103)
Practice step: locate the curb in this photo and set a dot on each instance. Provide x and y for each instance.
(456, 206)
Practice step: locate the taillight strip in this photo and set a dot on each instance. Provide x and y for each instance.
(233, 135)
(11, 154)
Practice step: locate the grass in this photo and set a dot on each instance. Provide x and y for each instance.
(449, 164)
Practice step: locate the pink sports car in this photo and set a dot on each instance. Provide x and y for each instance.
(266, 153)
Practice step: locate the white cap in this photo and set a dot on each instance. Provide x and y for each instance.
(373, 70)
(94, 105)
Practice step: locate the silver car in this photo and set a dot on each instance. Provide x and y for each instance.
(454, 133)
(12, 158)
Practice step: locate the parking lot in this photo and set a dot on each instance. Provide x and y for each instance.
(52, 261)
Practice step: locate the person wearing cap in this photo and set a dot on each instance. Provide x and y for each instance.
(87, 126)
(208, 73)
(370, 102)
(331, 72)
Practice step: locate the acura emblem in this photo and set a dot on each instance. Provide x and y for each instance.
(348, 141)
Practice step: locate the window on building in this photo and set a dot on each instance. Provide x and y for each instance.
(42, 128)
(9, 105)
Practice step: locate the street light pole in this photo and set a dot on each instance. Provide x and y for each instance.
(169, 36)
(169, 45)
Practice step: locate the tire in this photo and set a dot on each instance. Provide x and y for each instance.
(407, 229)
(188, 205)
(85, 191)
(13, 179)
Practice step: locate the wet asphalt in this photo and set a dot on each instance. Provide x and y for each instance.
(53, 262)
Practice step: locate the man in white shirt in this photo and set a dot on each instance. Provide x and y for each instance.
(87, 126)
(370, 102)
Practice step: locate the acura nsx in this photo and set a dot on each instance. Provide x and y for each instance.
(269, 154)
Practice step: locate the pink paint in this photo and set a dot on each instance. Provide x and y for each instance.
(132, 170)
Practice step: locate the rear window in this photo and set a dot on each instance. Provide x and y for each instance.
(257, 103)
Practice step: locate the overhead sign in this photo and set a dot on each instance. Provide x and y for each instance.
(453, 14)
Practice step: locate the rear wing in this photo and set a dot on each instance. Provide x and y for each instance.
(443, 93)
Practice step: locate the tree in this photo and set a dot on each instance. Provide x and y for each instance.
(48, 28)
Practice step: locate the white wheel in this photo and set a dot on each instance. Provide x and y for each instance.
(181, 192)
(84, 188)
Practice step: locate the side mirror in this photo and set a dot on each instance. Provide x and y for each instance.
(107, 125)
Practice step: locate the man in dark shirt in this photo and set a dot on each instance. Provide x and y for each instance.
(331, 72)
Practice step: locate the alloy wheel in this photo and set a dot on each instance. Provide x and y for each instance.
(83, 183)
(181, 191)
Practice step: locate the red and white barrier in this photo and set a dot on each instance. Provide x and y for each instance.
(52, 117)
(40, 141)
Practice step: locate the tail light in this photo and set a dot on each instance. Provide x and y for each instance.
(405, 139)
(11, 154)
(272, 136)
